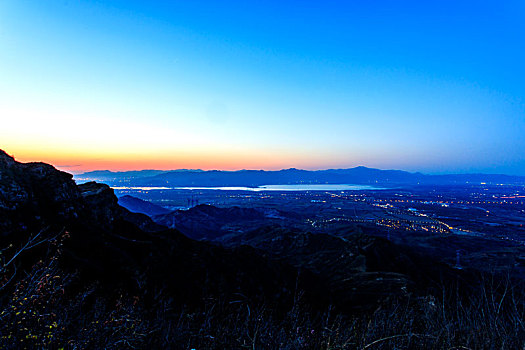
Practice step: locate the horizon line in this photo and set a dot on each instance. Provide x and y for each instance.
(68, 169)
(292, 168)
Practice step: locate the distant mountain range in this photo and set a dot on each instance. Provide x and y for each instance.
(254, 178)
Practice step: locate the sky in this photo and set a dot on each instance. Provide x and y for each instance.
(436, 87)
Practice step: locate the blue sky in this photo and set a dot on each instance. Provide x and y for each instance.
(408, 85)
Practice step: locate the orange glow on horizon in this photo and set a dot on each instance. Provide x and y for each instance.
(72, 162)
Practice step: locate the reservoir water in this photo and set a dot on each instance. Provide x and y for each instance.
(298, 187)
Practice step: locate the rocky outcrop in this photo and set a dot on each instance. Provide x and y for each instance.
(102, 207)
(101, 204)
(33, 195)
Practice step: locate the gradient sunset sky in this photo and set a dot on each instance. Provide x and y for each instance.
(436, 87)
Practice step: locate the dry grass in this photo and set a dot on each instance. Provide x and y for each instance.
(46, 308)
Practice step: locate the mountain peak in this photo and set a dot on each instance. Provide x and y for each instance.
(6, 158)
